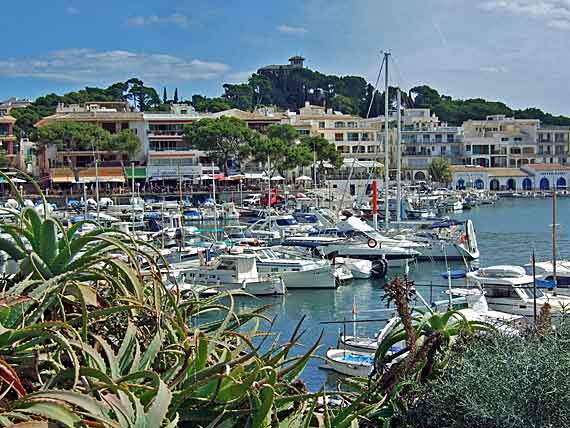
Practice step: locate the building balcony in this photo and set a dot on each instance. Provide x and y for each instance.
(162, 134)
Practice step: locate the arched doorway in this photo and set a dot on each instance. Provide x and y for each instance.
(527, 184)
(419, 176)
(460, 184)
(561, 183)
(494, 184)
(544, 184)
(479, 184)
(511, 184)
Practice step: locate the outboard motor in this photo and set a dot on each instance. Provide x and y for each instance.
(379, 268)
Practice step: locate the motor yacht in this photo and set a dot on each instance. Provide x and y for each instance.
(297, 271)
(228, 273)
(510, 289)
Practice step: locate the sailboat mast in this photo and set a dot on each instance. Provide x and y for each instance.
(214, 198)
(554, 238)
(399, 158)
(386, 145)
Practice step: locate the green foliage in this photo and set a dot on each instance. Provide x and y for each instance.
(440, 170)
(211, 105)
(90, 339)
(222, 138)
(80, 136)
(125, 141)
(86, 136)
(325, 151)
(285, 132)
(261, 88)
(500, 381)
(282, 154)
(240, 96)
(344, 104)
(143, 97)
(4, 160)
(45, 106)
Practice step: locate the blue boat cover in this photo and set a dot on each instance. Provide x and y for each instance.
(454, 274)
(545, 283)
(355, 358)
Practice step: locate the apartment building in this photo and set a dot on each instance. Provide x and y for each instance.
(59, 164)
(501, 142)
(425, 137)
(168, 154)
(353, 136)
(8, 140)
(553, 144)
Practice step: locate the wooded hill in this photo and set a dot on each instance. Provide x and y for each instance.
(349, 94)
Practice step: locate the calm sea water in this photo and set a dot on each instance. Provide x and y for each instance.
(506, 232)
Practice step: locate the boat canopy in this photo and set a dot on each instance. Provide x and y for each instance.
(354, 224)
(445, 224)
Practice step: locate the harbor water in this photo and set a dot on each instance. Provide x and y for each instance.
(507, 232)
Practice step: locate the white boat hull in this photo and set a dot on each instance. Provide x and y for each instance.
(322, 277)
(349, 363)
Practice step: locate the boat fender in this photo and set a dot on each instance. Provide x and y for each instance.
(372, 243)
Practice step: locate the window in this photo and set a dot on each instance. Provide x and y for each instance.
(518, 139)
(365, 136)
(339, 136)
(371, 149)
(339, 125)
(352, 136)
(351, 125)
(321, 124)
(426, 137)
(468, 148)
(504, 139)
(450, 138)
(438, 138)
(304, 132)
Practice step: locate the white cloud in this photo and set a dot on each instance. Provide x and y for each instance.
(71, 10)
(554, 13)
(238, 77)
(177, 19)
(89, 66)
(287, 29)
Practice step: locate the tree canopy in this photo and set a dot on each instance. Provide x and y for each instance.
(222, 139)
(280, 147)
(86, 136)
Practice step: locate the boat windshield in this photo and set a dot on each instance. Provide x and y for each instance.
(527, 291)
(286, 221)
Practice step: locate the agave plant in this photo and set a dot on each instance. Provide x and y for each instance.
(87, 340)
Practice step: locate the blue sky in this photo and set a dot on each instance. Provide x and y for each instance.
(510, 50)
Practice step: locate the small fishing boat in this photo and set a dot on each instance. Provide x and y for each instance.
(349, 363)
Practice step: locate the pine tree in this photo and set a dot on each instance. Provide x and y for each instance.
(176, 96)
(164, 96)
